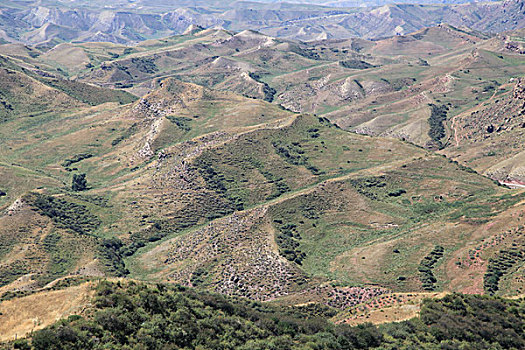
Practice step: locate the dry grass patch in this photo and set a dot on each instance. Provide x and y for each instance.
(19, 317)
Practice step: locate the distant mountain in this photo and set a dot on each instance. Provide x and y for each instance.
(47, 23)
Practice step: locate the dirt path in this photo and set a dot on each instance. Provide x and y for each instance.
(455, 129)
(370, 171)
(454, 126)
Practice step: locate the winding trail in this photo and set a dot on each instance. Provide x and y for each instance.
(454, 126)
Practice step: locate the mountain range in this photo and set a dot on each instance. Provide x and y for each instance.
(48, 23)
(235, 174)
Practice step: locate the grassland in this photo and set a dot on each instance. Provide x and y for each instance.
(203, 180)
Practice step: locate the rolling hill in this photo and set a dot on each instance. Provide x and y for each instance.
(346, 178)
(355, 83)
(211, 189)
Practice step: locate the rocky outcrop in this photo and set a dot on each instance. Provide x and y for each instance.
(233, 256)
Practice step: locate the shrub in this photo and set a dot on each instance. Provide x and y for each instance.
(438, 115)
(426, 266)
(79, 182)
(499, 265)
(75, 159)
(181, 122)
(64, 214)
(131, 315)
(356, 64)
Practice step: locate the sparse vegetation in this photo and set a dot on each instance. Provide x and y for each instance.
(89, 94)
(128, 133)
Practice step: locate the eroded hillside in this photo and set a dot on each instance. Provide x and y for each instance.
(268, 169)
(48, 23)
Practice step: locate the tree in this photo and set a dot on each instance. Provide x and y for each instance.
(79, 182)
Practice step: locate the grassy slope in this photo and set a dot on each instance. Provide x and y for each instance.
(363, 210)
(243, 198)
(302, 171)
(460, 69)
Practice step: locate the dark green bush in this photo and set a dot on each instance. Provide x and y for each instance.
(79, 182)
(427, 265)
(65, 214)
(136, 316)
(438, 115)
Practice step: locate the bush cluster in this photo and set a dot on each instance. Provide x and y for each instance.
(288, 241)
(499, 265)
(427, 265)
(65, 214)
(137, 316)
(181, 122)
(438, 115)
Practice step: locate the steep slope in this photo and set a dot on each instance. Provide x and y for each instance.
(27, 91)
(24, 95)
(489, 136)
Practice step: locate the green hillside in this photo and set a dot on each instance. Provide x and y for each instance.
(137, 316)
(225, 180)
